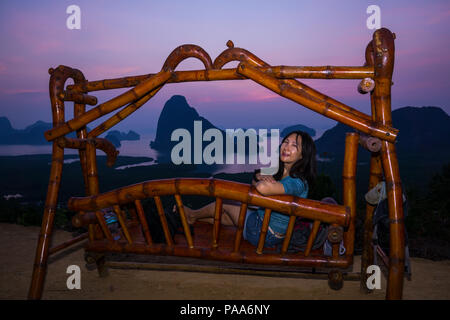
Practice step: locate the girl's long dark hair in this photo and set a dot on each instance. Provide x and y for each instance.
(305, 168)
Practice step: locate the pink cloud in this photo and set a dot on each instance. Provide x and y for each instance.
(21, 90)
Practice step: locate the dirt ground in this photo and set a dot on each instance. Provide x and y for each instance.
(430, 280)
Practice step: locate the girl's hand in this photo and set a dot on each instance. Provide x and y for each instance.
(266, 178)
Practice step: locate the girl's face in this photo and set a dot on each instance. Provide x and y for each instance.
(291, 149)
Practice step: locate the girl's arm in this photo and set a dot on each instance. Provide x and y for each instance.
(266, 184)
(269, 186)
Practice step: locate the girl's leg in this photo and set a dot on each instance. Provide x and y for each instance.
(230, 214)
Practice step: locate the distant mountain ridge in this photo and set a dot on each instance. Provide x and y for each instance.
(298, 127)
(423, 132)
(176, 114)
(115, 136)
(34, 134)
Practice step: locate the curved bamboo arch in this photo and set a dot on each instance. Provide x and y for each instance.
(376, 133)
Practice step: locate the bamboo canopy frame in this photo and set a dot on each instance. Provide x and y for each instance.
(374, 132)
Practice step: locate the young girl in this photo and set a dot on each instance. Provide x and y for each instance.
(296, 172)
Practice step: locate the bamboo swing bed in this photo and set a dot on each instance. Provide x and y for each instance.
(216, 242)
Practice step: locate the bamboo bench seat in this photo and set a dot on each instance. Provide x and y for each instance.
(208, 241)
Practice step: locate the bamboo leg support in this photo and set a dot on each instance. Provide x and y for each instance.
(58, 78)
(41, 257)
(367, 256)
(78, 110)
(383, 52)
(349, 188)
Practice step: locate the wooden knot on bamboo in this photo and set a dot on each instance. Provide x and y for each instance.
(335, 234)
(335, 279)
(82, 219)
(370, 143)
(366, 85)
(230, 44)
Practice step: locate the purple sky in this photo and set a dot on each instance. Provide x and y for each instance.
(123, 38)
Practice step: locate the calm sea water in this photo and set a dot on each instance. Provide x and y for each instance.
(139, 148)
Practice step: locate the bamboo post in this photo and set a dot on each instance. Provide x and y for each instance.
(123, 223)
(144, 224)
(78, 110)
(133, 214)
(92, 176)
(384, 51)
(240, 226)
(289, 231)
(264, 228)
(218, 210)
(312, 237)
(349, 188)
(103, 225)
(162, 218)
(375, 176)
(58, 78)
(367, 255)
(184, 222)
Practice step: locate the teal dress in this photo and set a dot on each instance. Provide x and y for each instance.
(292, 186)
(278, 222)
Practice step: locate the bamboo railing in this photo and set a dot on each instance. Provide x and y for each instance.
(375, 133)
(321, 212)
